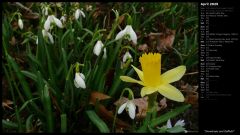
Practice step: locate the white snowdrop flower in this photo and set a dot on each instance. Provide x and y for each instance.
(63, 19)
(130, 108)
(127, 56)
(180, 123)
(79, 13)
(128, 30)
(20, 23)
(79, 80)
(169, 124)
(49, 35)
(52, 19)
(98, 47)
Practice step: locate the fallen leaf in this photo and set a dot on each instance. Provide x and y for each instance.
(191, 94)
(166, 40)
(95, 95)
(108, 116)
(143, 47)
(6, 103)
(163, 103)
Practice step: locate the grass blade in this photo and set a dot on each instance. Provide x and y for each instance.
(100, 124)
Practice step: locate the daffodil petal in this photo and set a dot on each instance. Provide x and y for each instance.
(131, 80)
(131, 109)
(122, 107)
(171, 92)
(174, 74)
(147, 91)
(139, 72)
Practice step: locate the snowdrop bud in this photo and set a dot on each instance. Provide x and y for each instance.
(97, 48)
(127, 56)
(77, 14)
(20, 23)
(79, 80)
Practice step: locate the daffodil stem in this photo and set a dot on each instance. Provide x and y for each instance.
(152, 107)
(152, 104)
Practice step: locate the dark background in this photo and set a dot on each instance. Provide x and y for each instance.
(222, 114)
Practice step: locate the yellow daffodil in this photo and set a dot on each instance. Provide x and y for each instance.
(152, 79)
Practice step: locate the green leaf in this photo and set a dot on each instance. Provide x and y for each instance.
(29, 122)
(176, 129)
(98, 122)
(63, 123)
(169, 115)
(153, 16)
(9, 124)
(48, 109)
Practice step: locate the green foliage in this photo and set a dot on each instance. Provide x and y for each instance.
(41, 76)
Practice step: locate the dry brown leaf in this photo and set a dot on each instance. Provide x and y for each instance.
(191, 94)
(163, 103)
(97, 96)
(108, 116)
(166, 40)
(143, 47)
(6, 103)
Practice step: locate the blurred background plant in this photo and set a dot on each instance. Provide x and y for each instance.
(39, 64)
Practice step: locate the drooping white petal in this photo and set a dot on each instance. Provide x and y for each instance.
(79, 81)
(132, 34)
(76, 84)
(47, 23)
(20, 23)
(77, 14)
(63, 19)
(126, 56)
(82, 75)
(104, 53)
(169, 125)
(50, 37)
(122, 107)
(44, 33)
(57, 22)
(131, 109)
(97, 48)
(120, 34)
(180, 123)
(82, 13)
